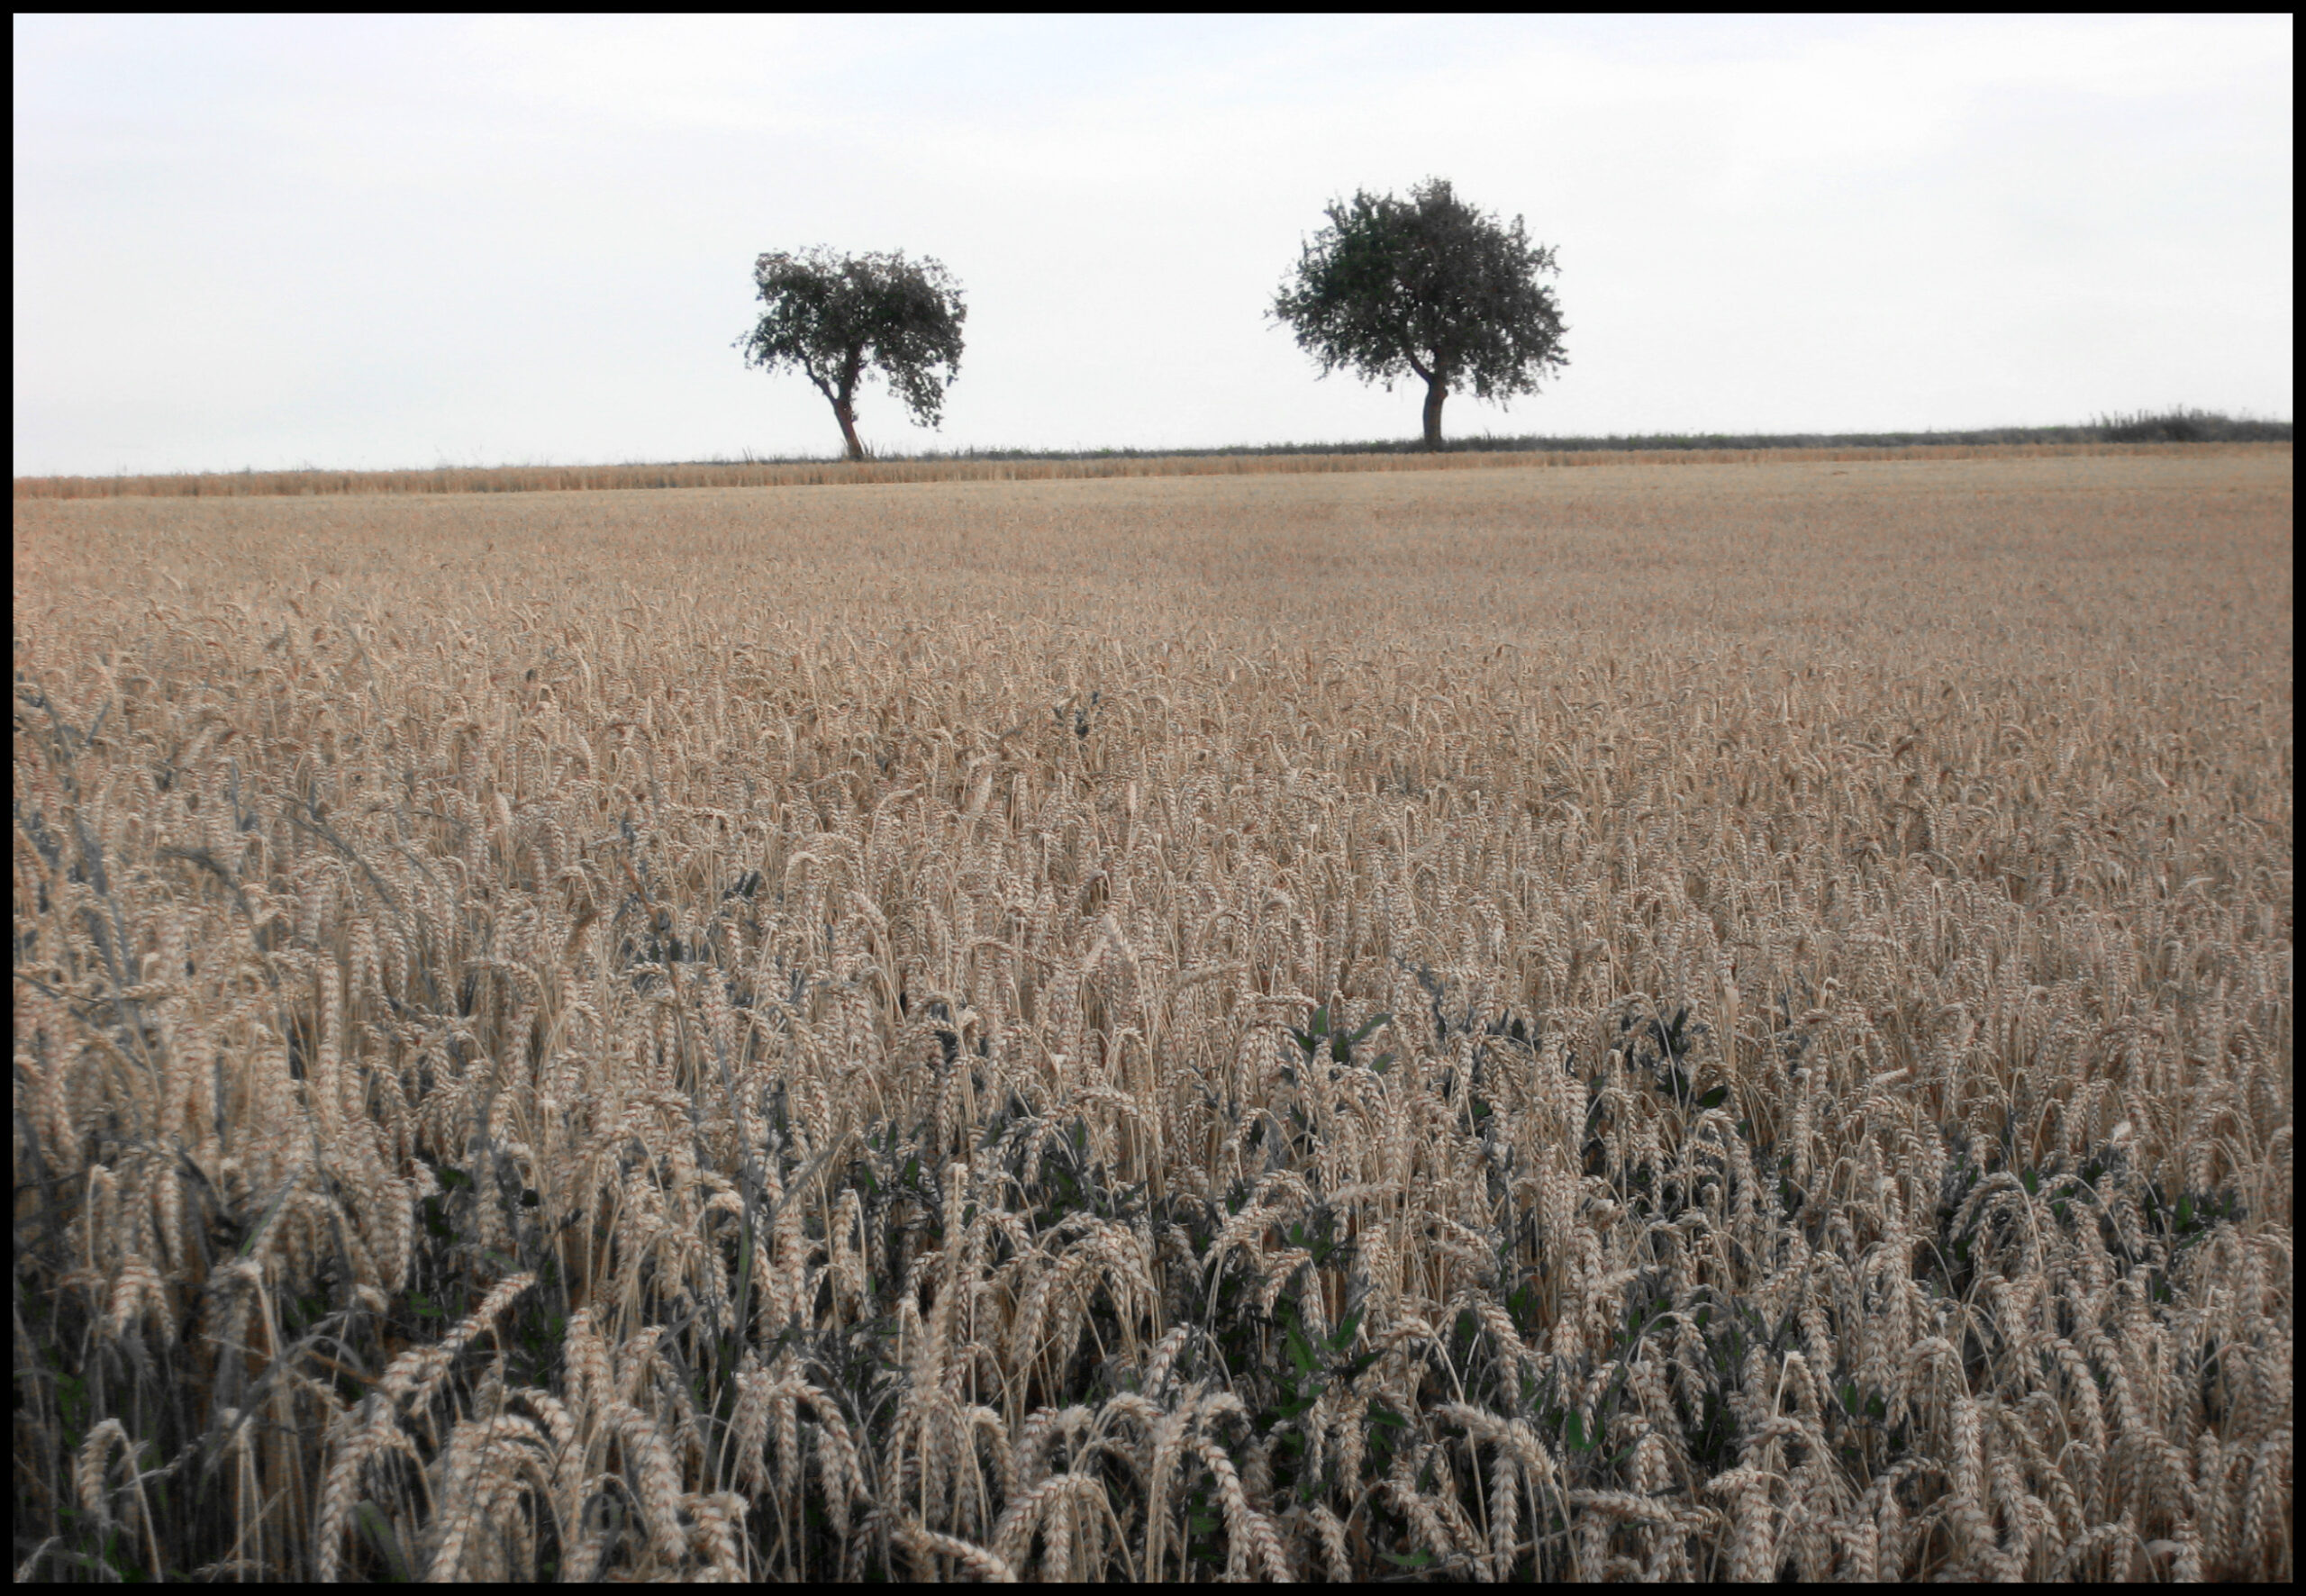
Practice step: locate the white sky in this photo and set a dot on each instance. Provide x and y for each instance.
(394, 242)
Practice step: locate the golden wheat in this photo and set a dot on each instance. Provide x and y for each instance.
(1606, 1023)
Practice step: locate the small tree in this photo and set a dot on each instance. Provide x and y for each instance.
(1430, 286)
(831, 317)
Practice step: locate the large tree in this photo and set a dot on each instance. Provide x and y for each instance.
(833, 317)
(1426, 287)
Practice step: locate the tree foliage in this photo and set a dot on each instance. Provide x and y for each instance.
(1426, 287)
(834, 317)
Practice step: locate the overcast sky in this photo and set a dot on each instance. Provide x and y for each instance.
(268, 242)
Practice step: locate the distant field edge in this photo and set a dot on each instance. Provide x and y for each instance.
(516, 479)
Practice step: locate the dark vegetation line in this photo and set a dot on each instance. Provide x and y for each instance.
(2178, 426)
(2174, 426)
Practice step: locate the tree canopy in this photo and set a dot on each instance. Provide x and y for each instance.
(1426, 287)
(834, 317)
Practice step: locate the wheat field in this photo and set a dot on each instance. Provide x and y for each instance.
(1729, 1020)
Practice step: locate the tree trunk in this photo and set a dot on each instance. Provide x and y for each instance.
(1437, 389)
(844, 404)
(845, 413)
